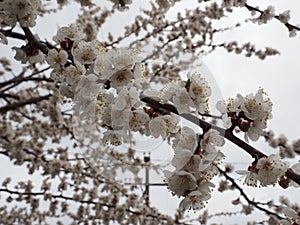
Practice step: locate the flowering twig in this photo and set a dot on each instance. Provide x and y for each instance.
(288, 25)
(64, 197)
(250, 202)
(228, 134)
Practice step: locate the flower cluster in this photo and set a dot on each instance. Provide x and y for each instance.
(68, 33)
(23, 11)
(267, 170)
(194, 93)
(270, 169)
(106, 86)
(267, 15)
(250, 113)
(165, 125)
(195, 165)
(118, 66)
(285, 16)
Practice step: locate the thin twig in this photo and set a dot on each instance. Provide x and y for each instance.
(90, 202)
(16, 105)
(250, 202)
(288, 25)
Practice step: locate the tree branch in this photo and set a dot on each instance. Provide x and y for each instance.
(16, 105)
(20, 78)
(255, 153)
(90, 202)
(5, 95)
(33, 41)
(10, 33)
(250, 202)
(288, 25)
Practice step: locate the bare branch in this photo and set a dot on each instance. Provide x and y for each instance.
(16, 105)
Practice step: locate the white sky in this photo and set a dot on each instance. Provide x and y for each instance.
(278, 75)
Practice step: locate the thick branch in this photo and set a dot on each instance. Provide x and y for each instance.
(10, 33)
(7, 95)
(33, 41)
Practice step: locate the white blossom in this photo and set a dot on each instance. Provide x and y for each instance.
(180, 182)
(182, 101)
(267, 15)
(85, 98)
(181, 158)
(209, 142)
(86, 52)
(157, 127)
(72, 32)
(56, 59)
(293, 33)
(172, 123)
(22, 11)
(250, 178)
(120, 118)
(121, 78)
(212, 138)
(20, 55)
(71, 74)
(257, 106)
(112, 137)
(119, 66)
(193, 165)
(221, 106)
(168, 92)
(31, 56)
(121, 108)
(185, 139)
(285, 16)
(196, 199)
(270, 169)
(199, 91)
(208, 165)
(251, 111)
(138, 120)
